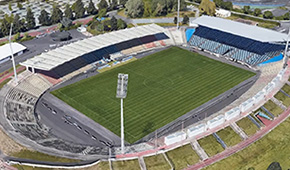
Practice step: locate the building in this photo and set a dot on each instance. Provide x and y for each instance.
(5, 52)
(222, 13)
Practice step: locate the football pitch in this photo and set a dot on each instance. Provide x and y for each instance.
(162, 87)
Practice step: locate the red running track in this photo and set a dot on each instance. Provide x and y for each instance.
(243, 144)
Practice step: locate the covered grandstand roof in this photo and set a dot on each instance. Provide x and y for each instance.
(241, 29)
(54, 58)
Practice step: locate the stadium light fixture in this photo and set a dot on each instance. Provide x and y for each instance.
(122, 94)
(12, 55)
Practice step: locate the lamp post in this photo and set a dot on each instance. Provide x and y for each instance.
(286, 50)
(178, 8)
(12, 55)
(122, 94)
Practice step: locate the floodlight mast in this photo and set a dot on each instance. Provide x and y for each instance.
(122, 93)
(12, 55)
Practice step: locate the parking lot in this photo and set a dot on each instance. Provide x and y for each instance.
(40, 45)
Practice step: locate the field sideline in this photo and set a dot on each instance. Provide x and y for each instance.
(162, 87)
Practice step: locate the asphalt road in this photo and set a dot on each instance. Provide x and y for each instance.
(262, 2)
(71, 125)
(40, 45)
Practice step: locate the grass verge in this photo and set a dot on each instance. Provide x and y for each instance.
(259, 155)
(157, 162)
(273, 108)
(210, 145)
(247, 126)
(4, 82)
(126, 165)
(229, 136)
(182, 157)
(282, 97)
(34, 155)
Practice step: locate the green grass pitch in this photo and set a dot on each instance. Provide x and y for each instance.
(161, 88)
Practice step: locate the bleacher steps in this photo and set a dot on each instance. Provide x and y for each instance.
(199, 150)
(286, 94)
(142, 163)
(239, 131)
(254, 121)
(279, 103)
(220, 140)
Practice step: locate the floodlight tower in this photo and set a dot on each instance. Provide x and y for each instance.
(286, 50)
(178, 8)
(122, 94)
(12, 56)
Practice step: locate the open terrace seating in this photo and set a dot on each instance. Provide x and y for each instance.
(231, 51)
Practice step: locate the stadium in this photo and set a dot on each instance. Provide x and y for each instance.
(184, 84)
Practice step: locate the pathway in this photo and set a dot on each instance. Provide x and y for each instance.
(279, 103)
(199, 150)
(239, 131)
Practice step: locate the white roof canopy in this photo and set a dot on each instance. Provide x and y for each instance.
(56, 57)
(241, 29)
(5, 50)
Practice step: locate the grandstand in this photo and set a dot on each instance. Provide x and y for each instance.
(65, 62)
(239, 42)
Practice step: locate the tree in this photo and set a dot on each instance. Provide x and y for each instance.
(147, 9)
(79, 9)
(227, 5)
(175, 20)
(91, 8)
(218, 3)
(103, 4)
(56, 15)
(9, 18)
(274, 166)
(68, 13)
(123, 2)
(182, 5)
(5, 27)
(159, 7)
(19, 5)
(286, 16)
(10, 6)
(246, 9)
(18, 25)
(135, 8)
(185, 19)
(44, 18)
(30, 20)
(102, 13)
(26, 35)
(121, 24)
(257, 11)
(207, 7)
(17, 36)
(114, 23)
(106, 24)
(268, 15)
(170, 4)
(113, 5)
